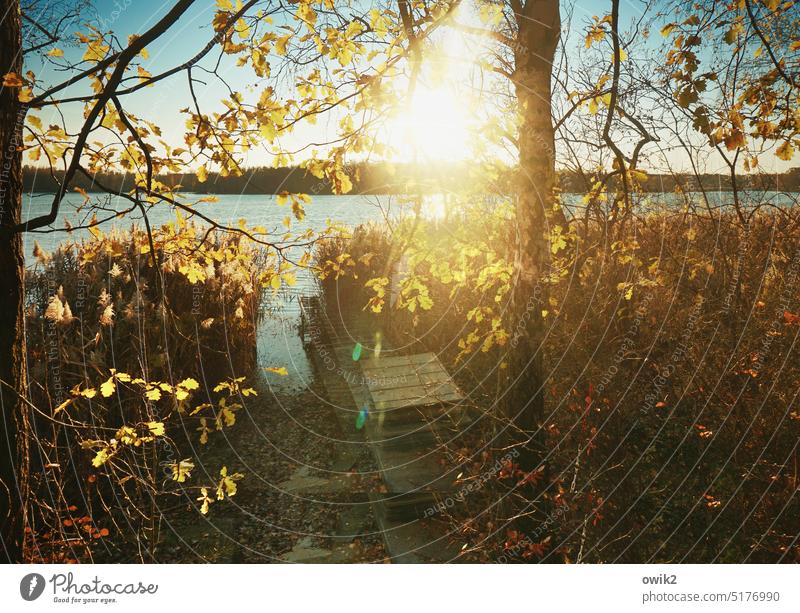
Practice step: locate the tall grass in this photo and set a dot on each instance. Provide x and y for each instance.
(186, 311)
(672, 372)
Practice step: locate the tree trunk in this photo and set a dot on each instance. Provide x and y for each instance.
(537, 37)
(13, 440)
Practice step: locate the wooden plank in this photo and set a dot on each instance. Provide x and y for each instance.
(414, 392)
(400, 360)
(423, 401)
(401, 376)
(397, 382)
(427, 381)
(430, 367)
(393, 363)
(426, 401)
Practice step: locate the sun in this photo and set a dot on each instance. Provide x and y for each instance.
(436, 123)
(433, 127)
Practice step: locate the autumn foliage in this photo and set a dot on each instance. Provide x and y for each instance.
(134, 367)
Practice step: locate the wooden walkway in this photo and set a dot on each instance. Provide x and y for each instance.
(404, 407)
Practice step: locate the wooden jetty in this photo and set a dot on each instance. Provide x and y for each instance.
(409, 406)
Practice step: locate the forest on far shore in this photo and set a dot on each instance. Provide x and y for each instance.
(382, 178)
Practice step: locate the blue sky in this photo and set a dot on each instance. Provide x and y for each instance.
(161, 104)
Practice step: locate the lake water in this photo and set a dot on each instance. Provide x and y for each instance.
(263, 210)
(278, 341)
(257, 210)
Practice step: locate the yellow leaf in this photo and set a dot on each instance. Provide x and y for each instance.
(278, 370)
(224, 5)
(226, 414)
(153, 394)
(227, 485)
(193, 272)
(204, 430)
(202, 174)
(83, 193)
(275, 282)
(182, 470)
(379, 23)
(128, 436)
(89, 392)
(242, 29)
(12, 79)
(101, 458)
(268, 131)
(280, 44)
(785, 151)
(307, 14)
(55, 52)
(107, 388)
(345, 55)
(343, 183)
(298, 210)
(142, 74)
(156, 428)
(189, 384)
(204, 499)
(594, 35)
(491, 14)
(96, 50)
(199, 408)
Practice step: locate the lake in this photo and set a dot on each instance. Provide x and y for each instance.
(263, 210)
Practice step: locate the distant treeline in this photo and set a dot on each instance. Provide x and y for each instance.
(395, 178)
(788, 181)
(373, 179)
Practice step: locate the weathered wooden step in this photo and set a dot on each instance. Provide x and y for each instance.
(413, 468)
(405, 507)
(421, 541)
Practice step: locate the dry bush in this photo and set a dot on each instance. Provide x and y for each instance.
(100, 312)
(344, 262)
(672, 364)
(672, 426)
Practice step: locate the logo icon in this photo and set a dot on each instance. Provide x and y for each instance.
(31, 586)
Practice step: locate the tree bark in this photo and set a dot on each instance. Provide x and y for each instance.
(13, 388)
(538, 33)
